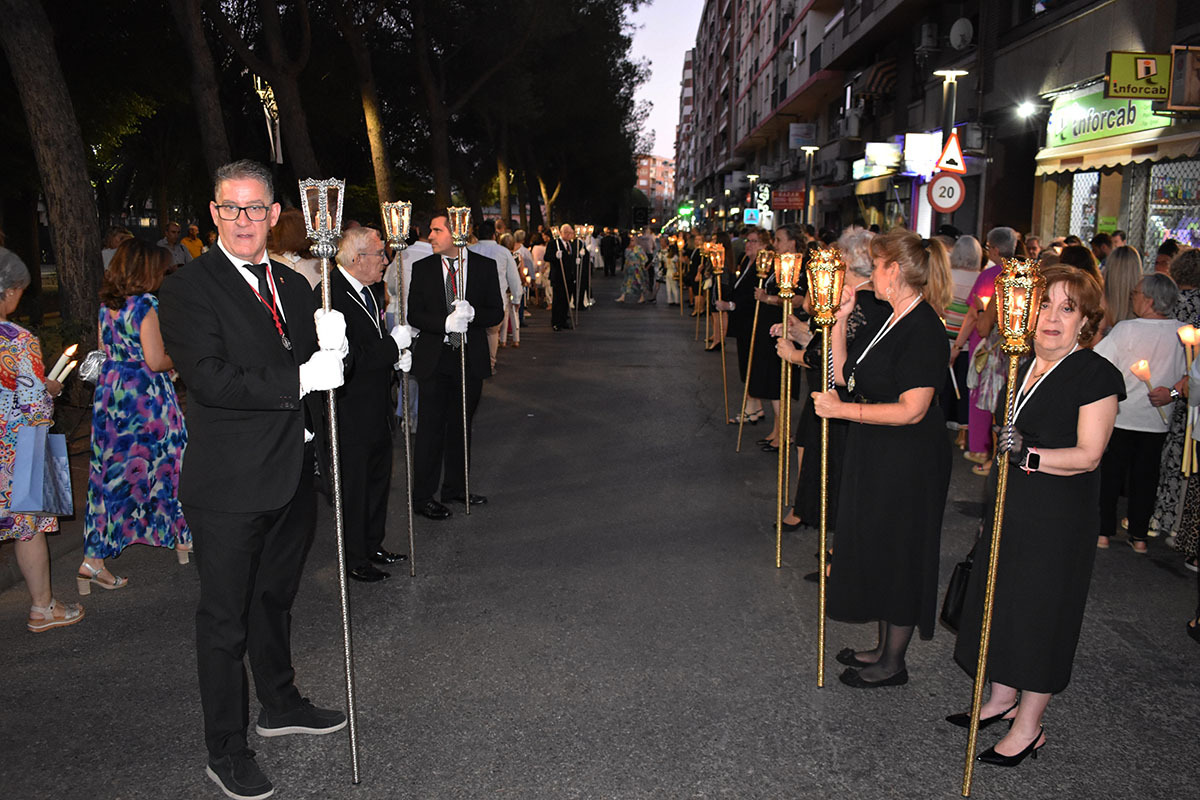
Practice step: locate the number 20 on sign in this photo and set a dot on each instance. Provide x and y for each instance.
(946, 192)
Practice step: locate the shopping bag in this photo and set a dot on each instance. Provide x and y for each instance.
(41, 483)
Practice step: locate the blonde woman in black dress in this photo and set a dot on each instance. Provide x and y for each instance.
(896, 466)
(1063, 415)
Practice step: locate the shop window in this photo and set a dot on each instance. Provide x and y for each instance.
(1173, 206)
(1085, 189)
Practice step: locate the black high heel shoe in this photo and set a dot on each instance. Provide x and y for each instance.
(964, 720)
(990, 756)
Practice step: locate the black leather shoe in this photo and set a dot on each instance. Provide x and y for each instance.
(239, 777)
(963, 720)
(849, 657)
(304, 718)
(433, 510)
(369, 574)
(990, 756)
(476, 499)
(851, 678)
(382, 556)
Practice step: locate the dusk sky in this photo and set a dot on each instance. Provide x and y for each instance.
(664, 31)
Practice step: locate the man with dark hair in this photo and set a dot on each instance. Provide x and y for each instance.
(451, 305)
(1119, 239)
(1162, 259)
(241, 332)
(172, 241)
(1102, 245)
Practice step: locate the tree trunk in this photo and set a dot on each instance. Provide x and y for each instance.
(521, 204)
(502, 174)
(548, 198)
(370, 102)
(205, 97)
(58, 148)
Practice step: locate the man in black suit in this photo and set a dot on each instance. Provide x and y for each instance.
(241, 332)
(560, 260)
(446, 305)
(365, 408)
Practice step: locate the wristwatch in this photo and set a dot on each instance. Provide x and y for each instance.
(1033, 460)
(1175, 393)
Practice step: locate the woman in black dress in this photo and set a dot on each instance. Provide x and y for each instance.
(739, 303)
(896, 467)
(1064, 411)
(765, 374)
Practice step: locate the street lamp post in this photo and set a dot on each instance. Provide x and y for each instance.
(949, 100)
(810, 152)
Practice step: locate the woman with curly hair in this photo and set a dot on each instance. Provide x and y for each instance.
(138, 434)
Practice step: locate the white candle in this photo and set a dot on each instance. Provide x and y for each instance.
(63, 376)
(62, 362)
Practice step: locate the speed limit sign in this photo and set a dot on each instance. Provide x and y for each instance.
(946, 192)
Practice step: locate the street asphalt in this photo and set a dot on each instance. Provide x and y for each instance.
(610, 625)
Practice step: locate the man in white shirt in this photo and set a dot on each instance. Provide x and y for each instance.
(173, 242)
(506, 272)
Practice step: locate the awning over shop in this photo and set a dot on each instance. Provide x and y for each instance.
(1159, 144)
(873, 185)
(878, 79)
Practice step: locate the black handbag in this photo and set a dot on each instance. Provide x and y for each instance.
(956, 591)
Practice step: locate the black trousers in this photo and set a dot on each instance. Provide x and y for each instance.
(249, 566)
(366, 478)
(560, 310)
(1134, 455)
(440, 429)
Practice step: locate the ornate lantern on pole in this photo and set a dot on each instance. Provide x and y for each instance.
(716, 255)
(764, 265)
(460, 233)
(826, 274)
(397, 218)
(787, 271)
(321, 203)
(1019, 292)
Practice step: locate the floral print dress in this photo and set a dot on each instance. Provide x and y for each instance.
(23, 401)
(635, 272)
(138, 439)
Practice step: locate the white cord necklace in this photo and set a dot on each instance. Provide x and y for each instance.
(891, 322)
(1023, 400)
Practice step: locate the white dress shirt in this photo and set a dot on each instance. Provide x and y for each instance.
(1156, 341)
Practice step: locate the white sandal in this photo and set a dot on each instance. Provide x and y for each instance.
(84, 582)
(53, 616)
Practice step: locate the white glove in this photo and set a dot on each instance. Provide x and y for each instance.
(456, 322)
(405, 362)
(331, 329)
(322, 372)
(402, 334)
(465, 307)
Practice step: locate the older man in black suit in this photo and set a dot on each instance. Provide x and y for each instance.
(447, 303)
(241, 332)
(365, 407)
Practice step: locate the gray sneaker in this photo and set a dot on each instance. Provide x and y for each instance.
(239, 777)
(304, 718)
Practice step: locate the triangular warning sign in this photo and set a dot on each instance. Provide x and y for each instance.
(952, 156)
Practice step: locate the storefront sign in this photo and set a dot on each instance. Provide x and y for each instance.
(801, 134)
(921, 153)
(1139, 76)
(1090, 115)
(882, 158)
(1185, 79)
(787, 200)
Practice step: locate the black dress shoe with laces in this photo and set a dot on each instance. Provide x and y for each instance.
(304, 718)
(382, 556)
(476, 499)
(239, 777)
(368, 574)
(433, 510)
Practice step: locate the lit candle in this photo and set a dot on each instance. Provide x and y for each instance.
(62, 362)
(1141, 371)
(63, 377)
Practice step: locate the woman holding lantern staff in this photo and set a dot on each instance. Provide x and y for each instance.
(1135, 450)
(739, 304)
(1060, 423)
(764, 379)
(896, 467)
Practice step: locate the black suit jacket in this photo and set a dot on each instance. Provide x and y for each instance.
(427, 313)
(365, 399)
(244, 415)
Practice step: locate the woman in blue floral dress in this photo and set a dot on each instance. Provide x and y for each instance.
(635, 267)
(138, 434)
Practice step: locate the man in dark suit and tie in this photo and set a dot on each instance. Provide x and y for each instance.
(242, 334)
(447, 302)
(365, 407)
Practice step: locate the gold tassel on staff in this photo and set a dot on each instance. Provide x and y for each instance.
(826, 274)
(716, 257)
(396, 218)
(763, 266)
(460, 233)
(1019, 288)
(787, 269)
(324, 228)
